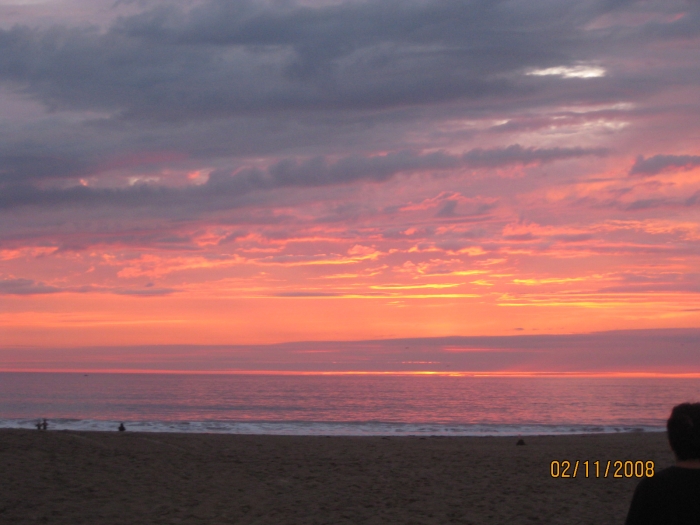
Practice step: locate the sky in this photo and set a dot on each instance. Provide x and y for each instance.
(186, 183)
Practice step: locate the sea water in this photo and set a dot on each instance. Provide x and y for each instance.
(341, 404)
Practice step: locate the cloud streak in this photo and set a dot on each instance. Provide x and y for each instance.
(287, 173)
(25, 287)
(660, 163)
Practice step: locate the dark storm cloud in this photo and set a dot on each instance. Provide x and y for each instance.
(225, 58)
(224, 189)
(658, 163)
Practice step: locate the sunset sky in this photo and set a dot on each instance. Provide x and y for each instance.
(215, 173)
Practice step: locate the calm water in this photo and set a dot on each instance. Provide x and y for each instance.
(349, 405)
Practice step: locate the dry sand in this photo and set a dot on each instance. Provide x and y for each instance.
(137, 478)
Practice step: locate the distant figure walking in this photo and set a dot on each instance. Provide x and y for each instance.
(122, 428)
(44, 425)
(38, 424)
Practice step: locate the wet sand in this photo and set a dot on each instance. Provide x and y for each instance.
(142, 478)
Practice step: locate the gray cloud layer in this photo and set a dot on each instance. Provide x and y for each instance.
(231, 58)
(225, 81)
(224, 188)
(226, 58)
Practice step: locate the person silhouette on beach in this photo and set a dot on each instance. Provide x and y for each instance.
(44, 425)
(38, 424)
(122, 428)
(672, 496)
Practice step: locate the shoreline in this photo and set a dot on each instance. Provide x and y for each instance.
(333, 428)
(148, 477)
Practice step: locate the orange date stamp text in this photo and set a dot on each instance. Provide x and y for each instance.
(601, 469)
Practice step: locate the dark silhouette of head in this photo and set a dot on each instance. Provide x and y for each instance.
(684, 431)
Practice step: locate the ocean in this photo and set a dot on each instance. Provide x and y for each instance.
(341, 404)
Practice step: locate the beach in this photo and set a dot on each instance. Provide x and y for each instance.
(62, 477)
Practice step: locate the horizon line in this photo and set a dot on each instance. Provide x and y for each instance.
(466, 373)
(364, 340)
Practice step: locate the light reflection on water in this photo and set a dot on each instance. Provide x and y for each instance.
(389, 399)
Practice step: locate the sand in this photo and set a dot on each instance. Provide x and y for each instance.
(129, 478)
